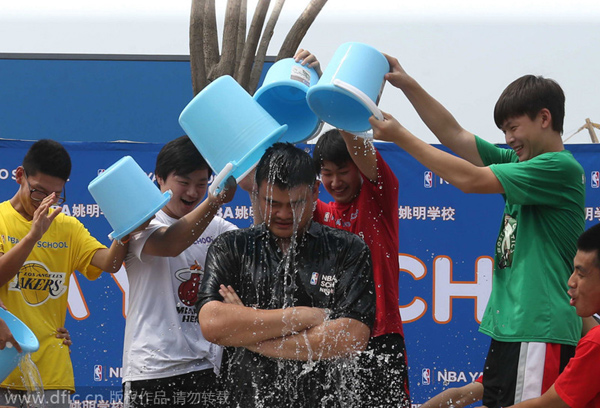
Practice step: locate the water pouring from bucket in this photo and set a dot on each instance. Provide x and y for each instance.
(9, 356)
(230, 129)
(126, 196)
(347, 93)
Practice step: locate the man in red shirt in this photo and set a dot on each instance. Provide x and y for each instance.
(578, 386)
(365, 191)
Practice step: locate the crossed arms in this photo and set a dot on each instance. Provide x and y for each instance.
(295, 333)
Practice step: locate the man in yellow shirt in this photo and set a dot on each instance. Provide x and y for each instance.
(39, 250)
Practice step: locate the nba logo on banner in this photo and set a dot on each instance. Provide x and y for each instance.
(426, 376)
(595, 179)
(314, 278)
(97, 372)
(428, 179)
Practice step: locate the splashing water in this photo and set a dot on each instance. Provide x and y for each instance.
(336, 375)
(32, 381)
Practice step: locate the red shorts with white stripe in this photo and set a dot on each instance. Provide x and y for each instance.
(515, 372)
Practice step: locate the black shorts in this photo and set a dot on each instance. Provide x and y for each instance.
(198, 389)
(515, 372)
(384, 373)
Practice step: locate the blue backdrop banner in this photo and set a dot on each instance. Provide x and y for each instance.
(446, 262)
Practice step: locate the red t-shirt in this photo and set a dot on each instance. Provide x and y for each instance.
(373, 215)
(578, 385)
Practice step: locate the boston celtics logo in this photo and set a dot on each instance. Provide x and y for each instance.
(505, 246)
(37, 284)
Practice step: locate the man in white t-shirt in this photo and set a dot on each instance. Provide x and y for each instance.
(166, 360)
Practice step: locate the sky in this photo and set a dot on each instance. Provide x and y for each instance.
(463, 52)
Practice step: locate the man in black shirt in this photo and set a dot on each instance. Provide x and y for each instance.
(306, 296)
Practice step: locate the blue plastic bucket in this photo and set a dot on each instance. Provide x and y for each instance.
(230, 129)
(349, 89)
(9, 356)
(126, 196)
(283, 95)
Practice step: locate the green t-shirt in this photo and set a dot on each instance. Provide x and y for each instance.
(543, 217)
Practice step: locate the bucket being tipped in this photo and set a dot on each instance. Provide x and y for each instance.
(126, 196)
(349, 89)
(283, 95)
(9, 356)
(230, 129)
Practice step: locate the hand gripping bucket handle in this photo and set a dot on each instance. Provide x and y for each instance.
(365, 99)
(219, 178)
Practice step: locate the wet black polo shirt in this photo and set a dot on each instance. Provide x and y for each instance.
(328, 268)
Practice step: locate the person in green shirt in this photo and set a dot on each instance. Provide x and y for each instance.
(533, 329)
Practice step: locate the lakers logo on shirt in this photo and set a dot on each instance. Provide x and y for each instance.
(37, 284)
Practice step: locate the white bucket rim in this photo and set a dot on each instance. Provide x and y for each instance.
(330, 87)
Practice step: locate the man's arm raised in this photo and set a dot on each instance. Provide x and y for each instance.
(466, 176)
(362, 153)
(13, 260)
(437, 118)
(173, 240)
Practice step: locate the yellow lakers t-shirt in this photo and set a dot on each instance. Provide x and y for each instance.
(38, 293)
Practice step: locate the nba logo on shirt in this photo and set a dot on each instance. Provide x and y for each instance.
(314, 279)
(426, 376)
(428, 179)
(97, 372)
(595, 179)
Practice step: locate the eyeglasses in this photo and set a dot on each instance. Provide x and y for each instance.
(38, 195)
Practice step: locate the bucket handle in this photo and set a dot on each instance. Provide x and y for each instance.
(215, 187)
(360, 95)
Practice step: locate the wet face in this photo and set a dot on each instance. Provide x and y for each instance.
(584, 284)
(286, 211)
(188, 191)
(342, 182)
(525, 136)
(43, 184)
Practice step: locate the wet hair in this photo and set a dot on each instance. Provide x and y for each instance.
(48, 157)
(528, 95)
(589, 241)
(179, 156)
(331, 147)
(286, 166)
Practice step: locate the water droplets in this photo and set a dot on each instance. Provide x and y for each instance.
(32, 380)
